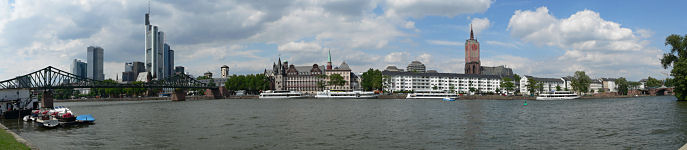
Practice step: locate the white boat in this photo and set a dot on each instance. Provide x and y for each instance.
(280, 94)
(558, 95)
(449, 99)
(342, 94)
(432, 95)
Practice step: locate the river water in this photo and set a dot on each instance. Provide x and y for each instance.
(644, 123)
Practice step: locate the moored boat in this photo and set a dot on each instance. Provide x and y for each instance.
(558, 95)
(431, 95)
(344, 94)
(280, 94)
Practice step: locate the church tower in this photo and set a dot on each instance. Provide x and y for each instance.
(472, 63)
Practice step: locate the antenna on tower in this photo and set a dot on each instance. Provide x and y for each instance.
(149, 6)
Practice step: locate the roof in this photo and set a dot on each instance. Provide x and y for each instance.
(427, 74)
(608, 79)
(545, 79)
(225, 66)
(343, 66)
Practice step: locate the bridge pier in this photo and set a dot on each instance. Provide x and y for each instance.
(179, 95)
(46, 99)
(213, 93)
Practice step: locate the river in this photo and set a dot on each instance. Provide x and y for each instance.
(636, 123)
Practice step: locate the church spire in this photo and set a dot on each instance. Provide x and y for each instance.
(329, 57)
(472, 36)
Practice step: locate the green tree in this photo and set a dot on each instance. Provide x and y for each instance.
(669, 82)
(580, 82)
(507, 83)
(558, 87)
(516, 79)
(372, 80)
(336, 80)
(322, 83)
(531, 85)
(622, 86)
(601, 90)
(653, 82)
(634, 85)
(452, 89)
(677, 58)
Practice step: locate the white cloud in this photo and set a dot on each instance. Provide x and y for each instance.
(421, 8)
(299, 47)
(480, 24)
(445, 43)
(504, 44)
(425, 58)
(589, 42)
(396, 57)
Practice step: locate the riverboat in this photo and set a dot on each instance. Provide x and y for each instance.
(59, 115)
(344, 94)
(558, 95)
(431, 95)
(280, 94)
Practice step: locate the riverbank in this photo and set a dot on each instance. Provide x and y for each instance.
(10, 140)
(130, 99)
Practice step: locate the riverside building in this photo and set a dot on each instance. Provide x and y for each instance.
(548, 84)
(448, 82)
(95, 63)
(295, 78)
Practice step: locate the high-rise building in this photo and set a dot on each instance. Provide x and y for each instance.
(79, 68)
(179, 70)
(159, 57)
(416, 66)
(472, 63)
(225, 71)
(129, 67)
(132, 70)
(95, 63)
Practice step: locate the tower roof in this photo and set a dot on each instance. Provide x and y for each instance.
(329, 57)
(472, 36)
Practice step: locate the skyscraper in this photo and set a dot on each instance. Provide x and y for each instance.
(95, 63)
(79, 68)
(159, 57)
(472, 63)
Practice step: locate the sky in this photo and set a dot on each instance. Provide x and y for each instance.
(538, 38)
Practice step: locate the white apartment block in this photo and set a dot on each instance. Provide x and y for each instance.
(548, 84)
(413, 81)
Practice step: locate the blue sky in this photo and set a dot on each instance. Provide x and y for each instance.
(539, 38)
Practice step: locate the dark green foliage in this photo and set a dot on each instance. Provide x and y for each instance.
(372, 80)
(677, 57)
(507, 83)
(252, 83)
(623, 86)
(336, 80)
(653, 82)
(580, 82)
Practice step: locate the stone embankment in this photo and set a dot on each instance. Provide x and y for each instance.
(17, 137)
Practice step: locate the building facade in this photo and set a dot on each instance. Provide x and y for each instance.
(596, 85)
(79, 68)
(472, 62)
(609, 85)
(547, 84)
(132, 70)
(307, 79)
(416, 66)
(461, 83)
(179, 70)
(498, 70)
(344, 71)
(95, 63)
(225, 71)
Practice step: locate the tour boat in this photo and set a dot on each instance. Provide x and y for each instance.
(431, 95)
(280, 94)
(557, 95)
(448, 99)
(342, 94)
(59, 115)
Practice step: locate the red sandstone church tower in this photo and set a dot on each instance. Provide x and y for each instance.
(472, 63)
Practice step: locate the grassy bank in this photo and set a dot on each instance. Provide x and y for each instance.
(7, 141)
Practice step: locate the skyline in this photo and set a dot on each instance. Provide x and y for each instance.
(604, 39)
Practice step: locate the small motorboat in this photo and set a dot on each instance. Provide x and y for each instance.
(85, 118)
(448, 99)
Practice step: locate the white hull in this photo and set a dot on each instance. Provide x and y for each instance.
(557, 98)
(428, 97)
(347, 97)
(280, 97)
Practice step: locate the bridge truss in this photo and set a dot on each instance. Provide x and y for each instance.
(53, 78)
